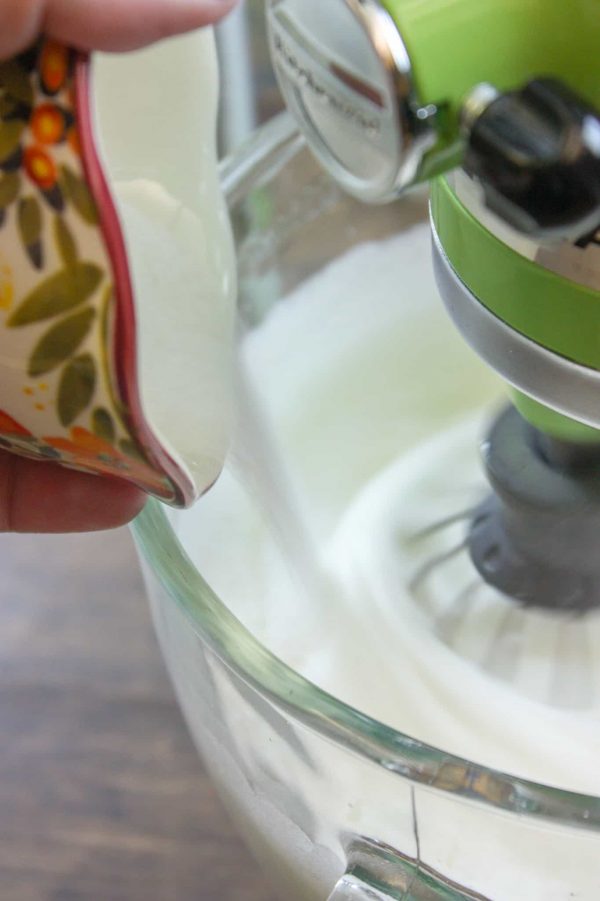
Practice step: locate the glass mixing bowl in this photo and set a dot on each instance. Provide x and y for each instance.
(334, 803)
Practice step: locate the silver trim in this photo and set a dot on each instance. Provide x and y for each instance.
(553, 380)
(265, 153)
(578, 264)
(330, 96)
(475, 104)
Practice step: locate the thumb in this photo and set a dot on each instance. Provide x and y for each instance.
(102, 24)
(38, 496)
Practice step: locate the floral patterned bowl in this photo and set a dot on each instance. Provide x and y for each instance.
(116, 262)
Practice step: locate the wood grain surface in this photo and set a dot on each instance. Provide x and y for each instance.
(102, 795)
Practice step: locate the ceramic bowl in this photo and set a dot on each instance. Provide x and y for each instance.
(116, 286)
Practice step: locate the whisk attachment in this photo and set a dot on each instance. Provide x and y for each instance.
(536, 537)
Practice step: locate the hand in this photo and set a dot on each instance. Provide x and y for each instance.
(38, 496)
(102, 24)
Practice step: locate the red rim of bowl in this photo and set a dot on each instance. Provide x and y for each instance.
(124, 349)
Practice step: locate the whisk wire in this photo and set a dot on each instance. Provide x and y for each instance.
(438, 525)
(434, 562)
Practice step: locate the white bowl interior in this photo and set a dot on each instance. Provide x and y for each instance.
(155, 118)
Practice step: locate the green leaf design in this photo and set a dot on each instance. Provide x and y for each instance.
(29, 218)
(108, 296)
(36, 254)
(10, 185)
(103, 425)
(8, 106)
(76, 388)
(60, 342)
(16, 82)
(65, 242)
(56, 294)
(54, 198)
(76, 190)
(10, 136)
(131, 449)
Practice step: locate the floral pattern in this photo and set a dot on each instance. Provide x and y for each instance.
(57, 296)
(36, 114)
(81, 447)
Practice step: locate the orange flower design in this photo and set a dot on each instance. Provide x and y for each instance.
(73, 139)
(10, 426)
(82, 448)
(38, 116)
(48, 123)
(53, 66)
(14, 436)
(87, 449)
(40, 167)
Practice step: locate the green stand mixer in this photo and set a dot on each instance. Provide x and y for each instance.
(498, 104)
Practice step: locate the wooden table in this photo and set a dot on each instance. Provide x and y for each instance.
(102, 796)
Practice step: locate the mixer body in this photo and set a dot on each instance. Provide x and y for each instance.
(504, 96)
(334, 803)
(497, 103)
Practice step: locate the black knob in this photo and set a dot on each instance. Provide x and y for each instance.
(536, 152)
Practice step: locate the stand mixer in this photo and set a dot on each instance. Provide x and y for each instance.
(361, 751)
(389, 97)
(504, 98)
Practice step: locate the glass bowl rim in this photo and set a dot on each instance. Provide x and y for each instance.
(266, 153)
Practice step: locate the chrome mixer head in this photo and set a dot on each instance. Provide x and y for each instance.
(382, 109)
(347, 78)
(390, 94)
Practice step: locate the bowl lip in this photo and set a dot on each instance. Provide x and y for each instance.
(173, 481)
(298, 697)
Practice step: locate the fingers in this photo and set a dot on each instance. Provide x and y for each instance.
(102, 24)
(43, 497)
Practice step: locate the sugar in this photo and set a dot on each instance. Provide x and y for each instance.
(377, 409)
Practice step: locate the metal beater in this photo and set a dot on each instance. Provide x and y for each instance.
(497, 104)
